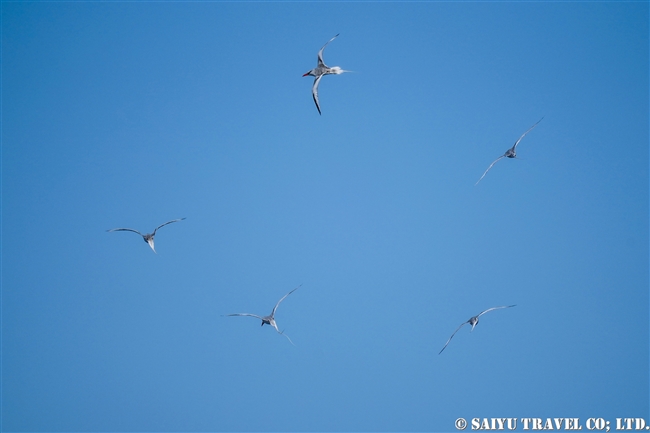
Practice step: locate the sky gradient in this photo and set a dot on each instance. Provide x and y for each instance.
(130, 114)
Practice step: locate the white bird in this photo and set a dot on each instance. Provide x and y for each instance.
(510, 153)
(472, 321)
(148, 237)
(321, 70)
(270, 319)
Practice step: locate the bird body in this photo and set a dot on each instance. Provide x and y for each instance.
(320, 71)
(148, 237)
(472, 321)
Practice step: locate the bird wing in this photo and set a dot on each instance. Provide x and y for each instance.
(124, 230)
(246, 314)
(452, 336)
(168, 222)
(488, 169)
(514, 147)
(314, 92)
(494, 308)
(282, 299)
(320, 53)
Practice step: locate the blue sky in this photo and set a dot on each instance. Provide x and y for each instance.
(130, 114)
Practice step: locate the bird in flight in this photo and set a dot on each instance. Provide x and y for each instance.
(270, 319)
(321, 70)
(472, 321)
(148, 237)
(510, 153)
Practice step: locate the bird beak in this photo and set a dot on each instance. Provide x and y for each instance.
(305, 74)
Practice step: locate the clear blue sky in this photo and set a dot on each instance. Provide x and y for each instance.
(129, 114)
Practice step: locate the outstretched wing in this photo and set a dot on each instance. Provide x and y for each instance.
(514, 147)
(125, 230)
(282, 299)
(320, 53)
(488, 169)
(452, 336)
(246, 314)
(494, 308)
(168, 222)
(314, 92)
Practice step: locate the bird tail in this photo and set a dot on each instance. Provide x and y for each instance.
(287, 337)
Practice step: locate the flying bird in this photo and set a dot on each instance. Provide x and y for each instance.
(472, 321)
(270, 319)
(321, 70)
(148, 237)
(510, 153)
